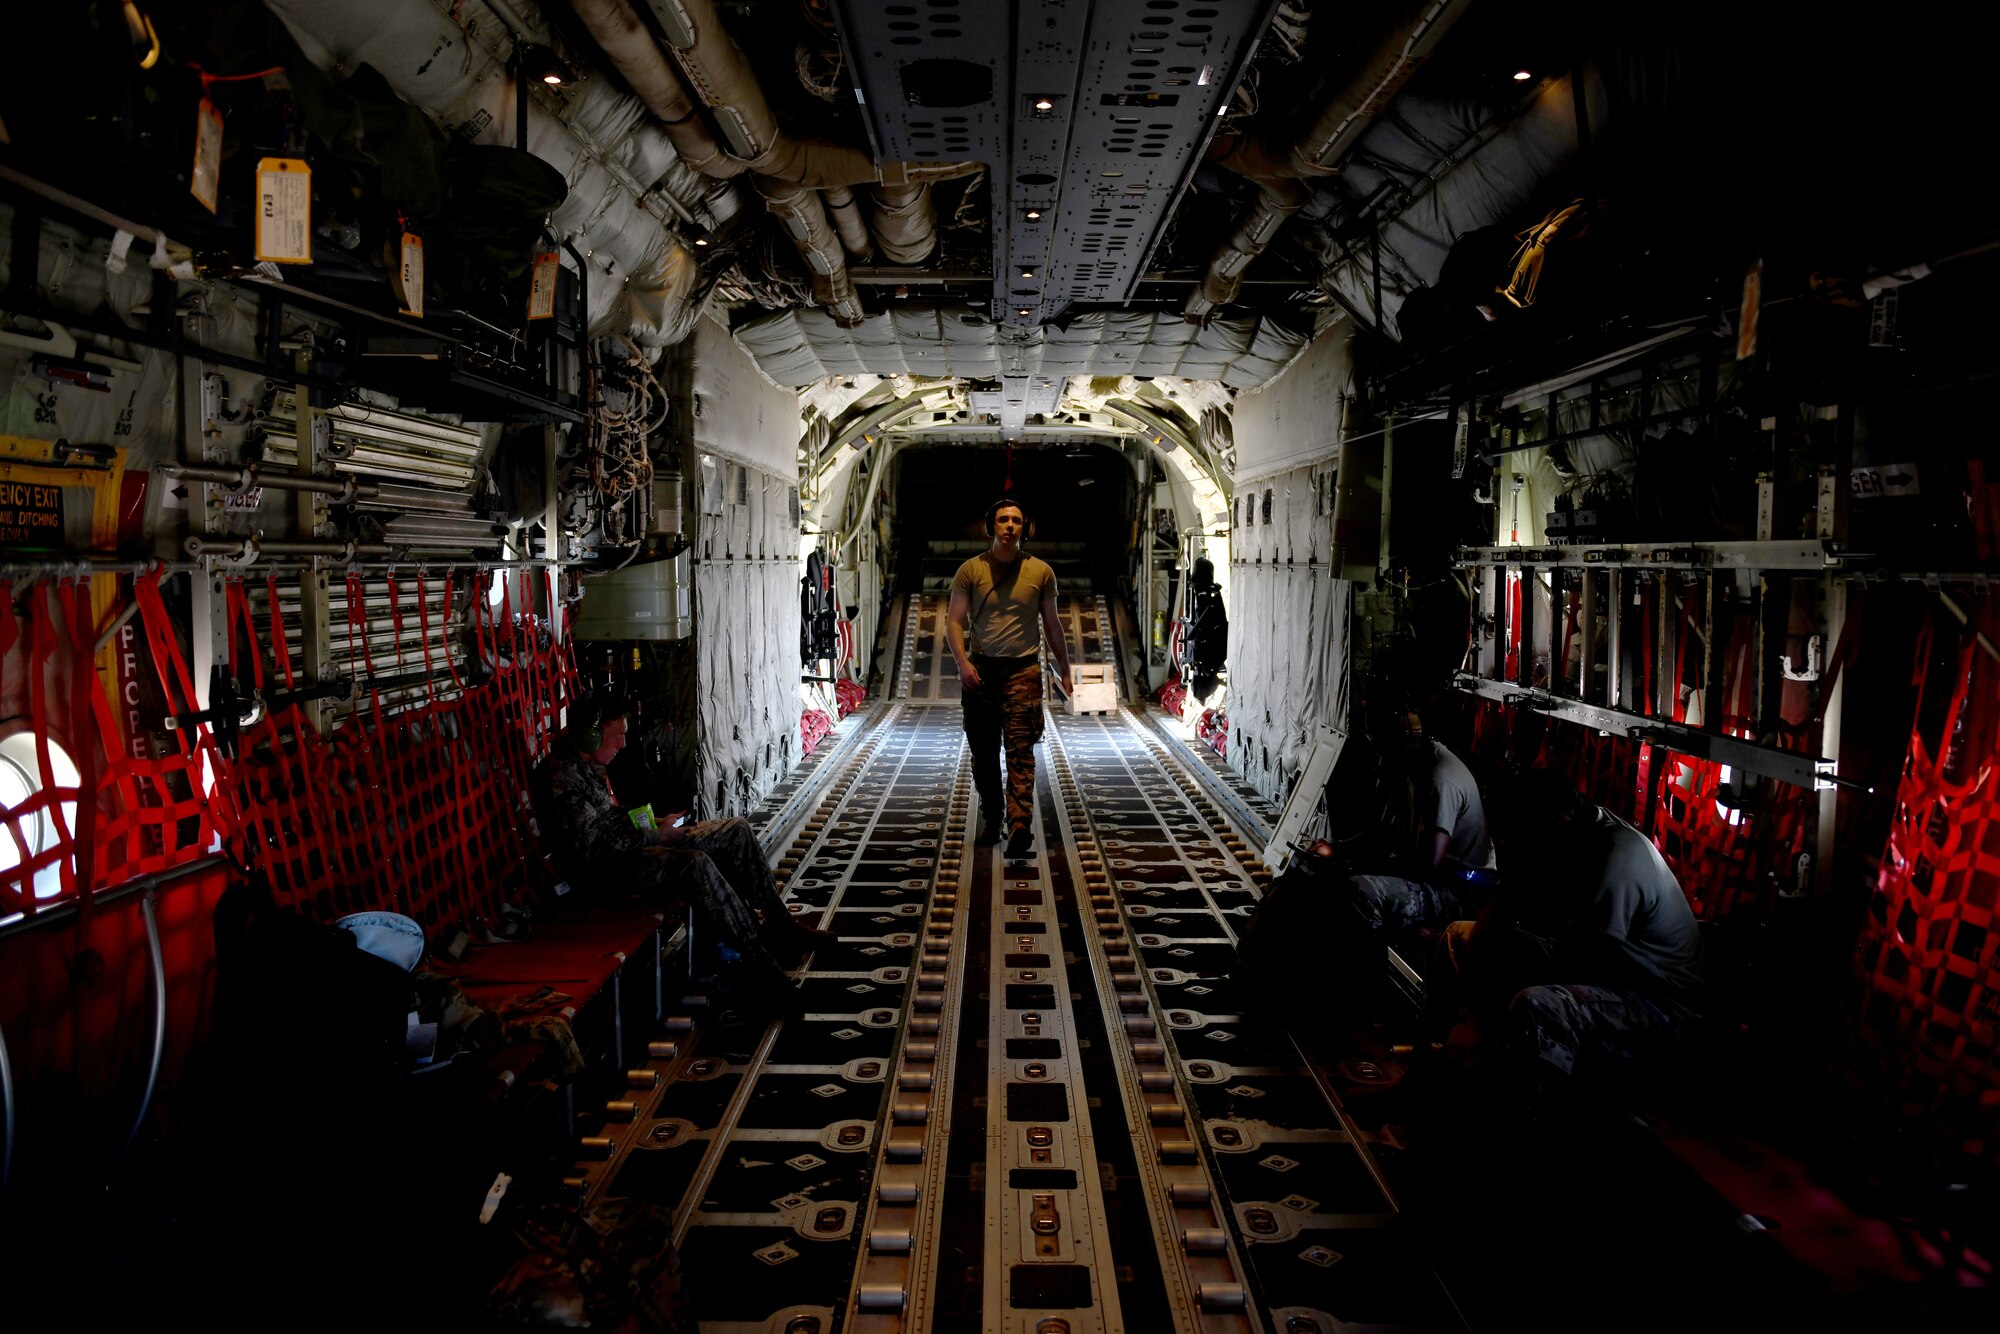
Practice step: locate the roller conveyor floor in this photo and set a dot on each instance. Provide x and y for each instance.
(1019, 1096)
(925, 669)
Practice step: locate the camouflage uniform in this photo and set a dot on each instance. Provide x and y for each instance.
(1007, 707)
(1389, 904)
(1563, 1024)
(719, 871)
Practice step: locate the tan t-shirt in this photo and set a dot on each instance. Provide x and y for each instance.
(1004, 604)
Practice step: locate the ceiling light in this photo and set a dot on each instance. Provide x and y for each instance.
(1024, 311)
(1027, 273)
(1044, 105)
(1522, 76)
(1034, 214)
(538, 62)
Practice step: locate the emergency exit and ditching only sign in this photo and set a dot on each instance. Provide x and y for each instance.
(30, 515)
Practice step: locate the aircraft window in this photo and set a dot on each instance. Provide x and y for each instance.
(1267, 506)
(20, 779)
(496, 587)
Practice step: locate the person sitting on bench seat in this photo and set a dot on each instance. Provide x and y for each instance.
(716, 866)
(1594, 950)
(1436, 829)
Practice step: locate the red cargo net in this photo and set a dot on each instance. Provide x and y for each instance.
(1727, 857)
(137, 814)
(1930, 1016)
(424, 811)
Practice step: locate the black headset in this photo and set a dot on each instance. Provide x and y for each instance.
(590, 714)
(993, 513)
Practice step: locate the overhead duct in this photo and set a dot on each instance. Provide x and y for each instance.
(715, 69)
(905, 222)
(905, 225)
(847, 220)
(800, 209)
(1413, 30)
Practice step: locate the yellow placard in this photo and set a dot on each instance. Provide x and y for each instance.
(284, 210)
(207, 172)
(413, 275)
(542, 291)
(28, 465)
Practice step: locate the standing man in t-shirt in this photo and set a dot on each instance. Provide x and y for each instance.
(1003, 604)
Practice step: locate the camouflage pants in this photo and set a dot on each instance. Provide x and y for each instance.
(1007, 707)
(1567, 1025)
(722, 875)
(1388, 904)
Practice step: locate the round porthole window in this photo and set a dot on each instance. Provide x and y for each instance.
(20, 780)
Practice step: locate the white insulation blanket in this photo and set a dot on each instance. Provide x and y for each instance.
(746, 576)
(746, 605)
(1288, 631)
(798, 347)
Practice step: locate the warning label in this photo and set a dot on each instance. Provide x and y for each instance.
(30, 516)
(542, 287)
(284, 211)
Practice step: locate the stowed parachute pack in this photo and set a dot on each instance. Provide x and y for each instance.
(818, 626)
(1208, 629)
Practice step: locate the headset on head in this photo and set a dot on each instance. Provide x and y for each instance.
(593, 712)
(993, 513)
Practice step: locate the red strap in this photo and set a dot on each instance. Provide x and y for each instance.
(357, 615)
(1513, 624)
(85, 743)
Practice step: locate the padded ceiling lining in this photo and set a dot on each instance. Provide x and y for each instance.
(798, 347)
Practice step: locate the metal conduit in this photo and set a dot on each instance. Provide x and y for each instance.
(376, 461)
(1409, 33)
(253, 548)
(255, 474)
(790, 171)
(359, 419)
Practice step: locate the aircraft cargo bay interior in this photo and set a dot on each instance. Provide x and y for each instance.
(1021, 666)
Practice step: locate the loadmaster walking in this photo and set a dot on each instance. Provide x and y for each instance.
(996, 600)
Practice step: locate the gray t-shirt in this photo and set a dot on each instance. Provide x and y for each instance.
(1004, 604)
(1631, 924)
(1453, 805)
